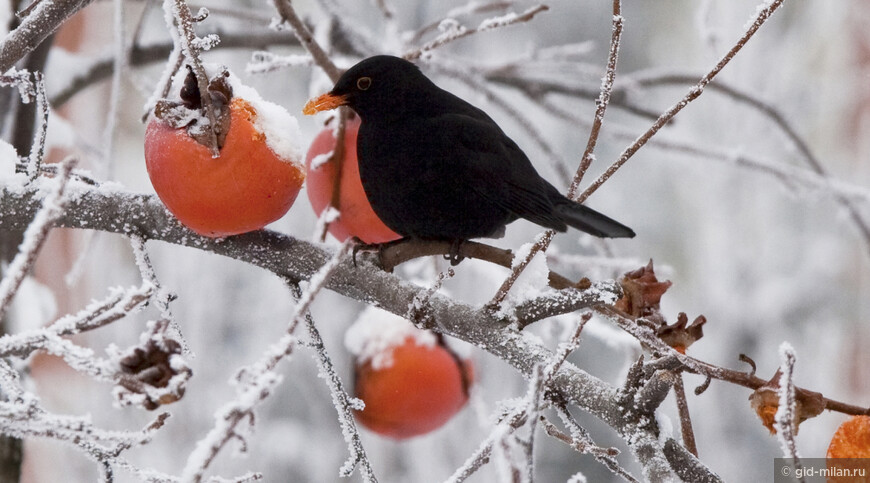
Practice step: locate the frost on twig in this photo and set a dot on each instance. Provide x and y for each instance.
(786, 414)
(255, 383)
(452, 30)
(263, 62)
(34, 236)
(118, 304)
(191, 47)
(342, 402)
(163, 297)
(37, 150)
(694, 92)
(22, 416)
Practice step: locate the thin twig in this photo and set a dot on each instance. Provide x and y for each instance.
(540, 244)
(43, 21)
(790, 132)
(321, 58)
(37, 150)
(258, 379)
(685, 418)
(340, 399)
(544, 240)
(458, 31)
(470, 8)
(695, 92)
(191, 49)
(786, 413)
(35, 236)
(163, 297)
(603, 98)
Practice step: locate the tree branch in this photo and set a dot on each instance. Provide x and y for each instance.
(118, 211)
(43, 21)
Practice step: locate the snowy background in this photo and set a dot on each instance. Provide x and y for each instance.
(765, 257)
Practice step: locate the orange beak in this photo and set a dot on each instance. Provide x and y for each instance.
(324, 103)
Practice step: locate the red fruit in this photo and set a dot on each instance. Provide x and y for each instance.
(419, 390)
(247, 187)
(356, 215)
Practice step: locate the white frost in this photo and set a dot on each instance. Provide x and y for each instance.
(273, 121)
(8, 159)
(376, 332)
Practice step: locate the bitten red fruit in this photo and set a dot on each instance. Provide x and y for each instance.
(356, 217)
(420, 388)
(247, 187)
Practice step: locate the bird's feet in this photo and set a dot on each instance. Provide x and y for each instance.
(453, 256)
(361, 246)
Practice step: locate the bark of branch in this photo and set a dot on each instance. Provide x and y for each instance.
(43, 21)
(122, 212)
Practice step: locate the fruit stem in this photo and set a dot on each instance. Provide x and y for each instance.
(191, 50)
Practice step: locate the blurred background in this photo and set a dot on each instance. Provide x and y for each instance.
(764, 254)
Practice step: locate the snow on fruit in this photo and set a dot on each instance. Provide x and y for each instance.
(256, 176)
(411, 382)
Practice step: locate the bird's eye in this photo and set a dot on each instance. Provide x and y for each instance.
(363, 83)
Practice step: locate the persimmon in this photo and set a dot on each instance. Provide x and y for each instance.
(356, 217)
(410, 381)
(247, 186)
(852, 439)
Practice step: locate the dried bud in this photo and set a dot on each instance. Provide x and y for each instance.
(642, 292)
(188, 113)
(680, 336)
(765, 402)
(152, 373)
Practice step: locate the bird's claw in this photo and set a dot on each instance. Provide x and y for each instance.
(454, 256)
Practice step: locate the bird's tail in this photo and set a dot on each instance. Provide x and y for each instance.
(590, 221)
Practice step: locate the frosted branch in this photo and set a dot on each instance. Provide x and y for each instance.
(321, 58)
(163, 297)
(34, 236)
(42, 21)
(37, 150)
(256, 382)
(786, 413)
(342, 402)
(191, 47)
(451, 29)
(694, 92)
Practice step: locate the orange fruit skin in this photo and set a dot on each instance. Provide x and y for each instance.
(244, 189)
(418, 393)
(356, 215)
(852, 439)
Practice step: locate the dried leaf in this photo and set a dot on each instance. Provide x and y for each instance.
(765, 402)
(680, 335)
(642, 292)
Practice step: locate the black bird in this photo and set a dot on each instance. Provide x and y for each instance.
(435, 167)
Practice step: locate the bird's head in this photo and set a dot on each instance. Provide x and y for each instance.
(382, 84)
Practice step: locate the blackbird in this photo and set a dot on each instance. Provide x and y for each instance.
(435, 167)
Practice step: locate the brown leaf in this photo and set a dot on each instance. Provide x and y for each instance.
(680, 335)
(642, 292)
(147, 370)
(765, 402)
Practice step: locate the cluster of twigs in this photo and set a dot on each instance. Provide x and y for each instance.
(553, 384)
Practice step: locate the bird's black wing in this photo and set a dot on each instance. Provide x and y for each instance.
(500, 172)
